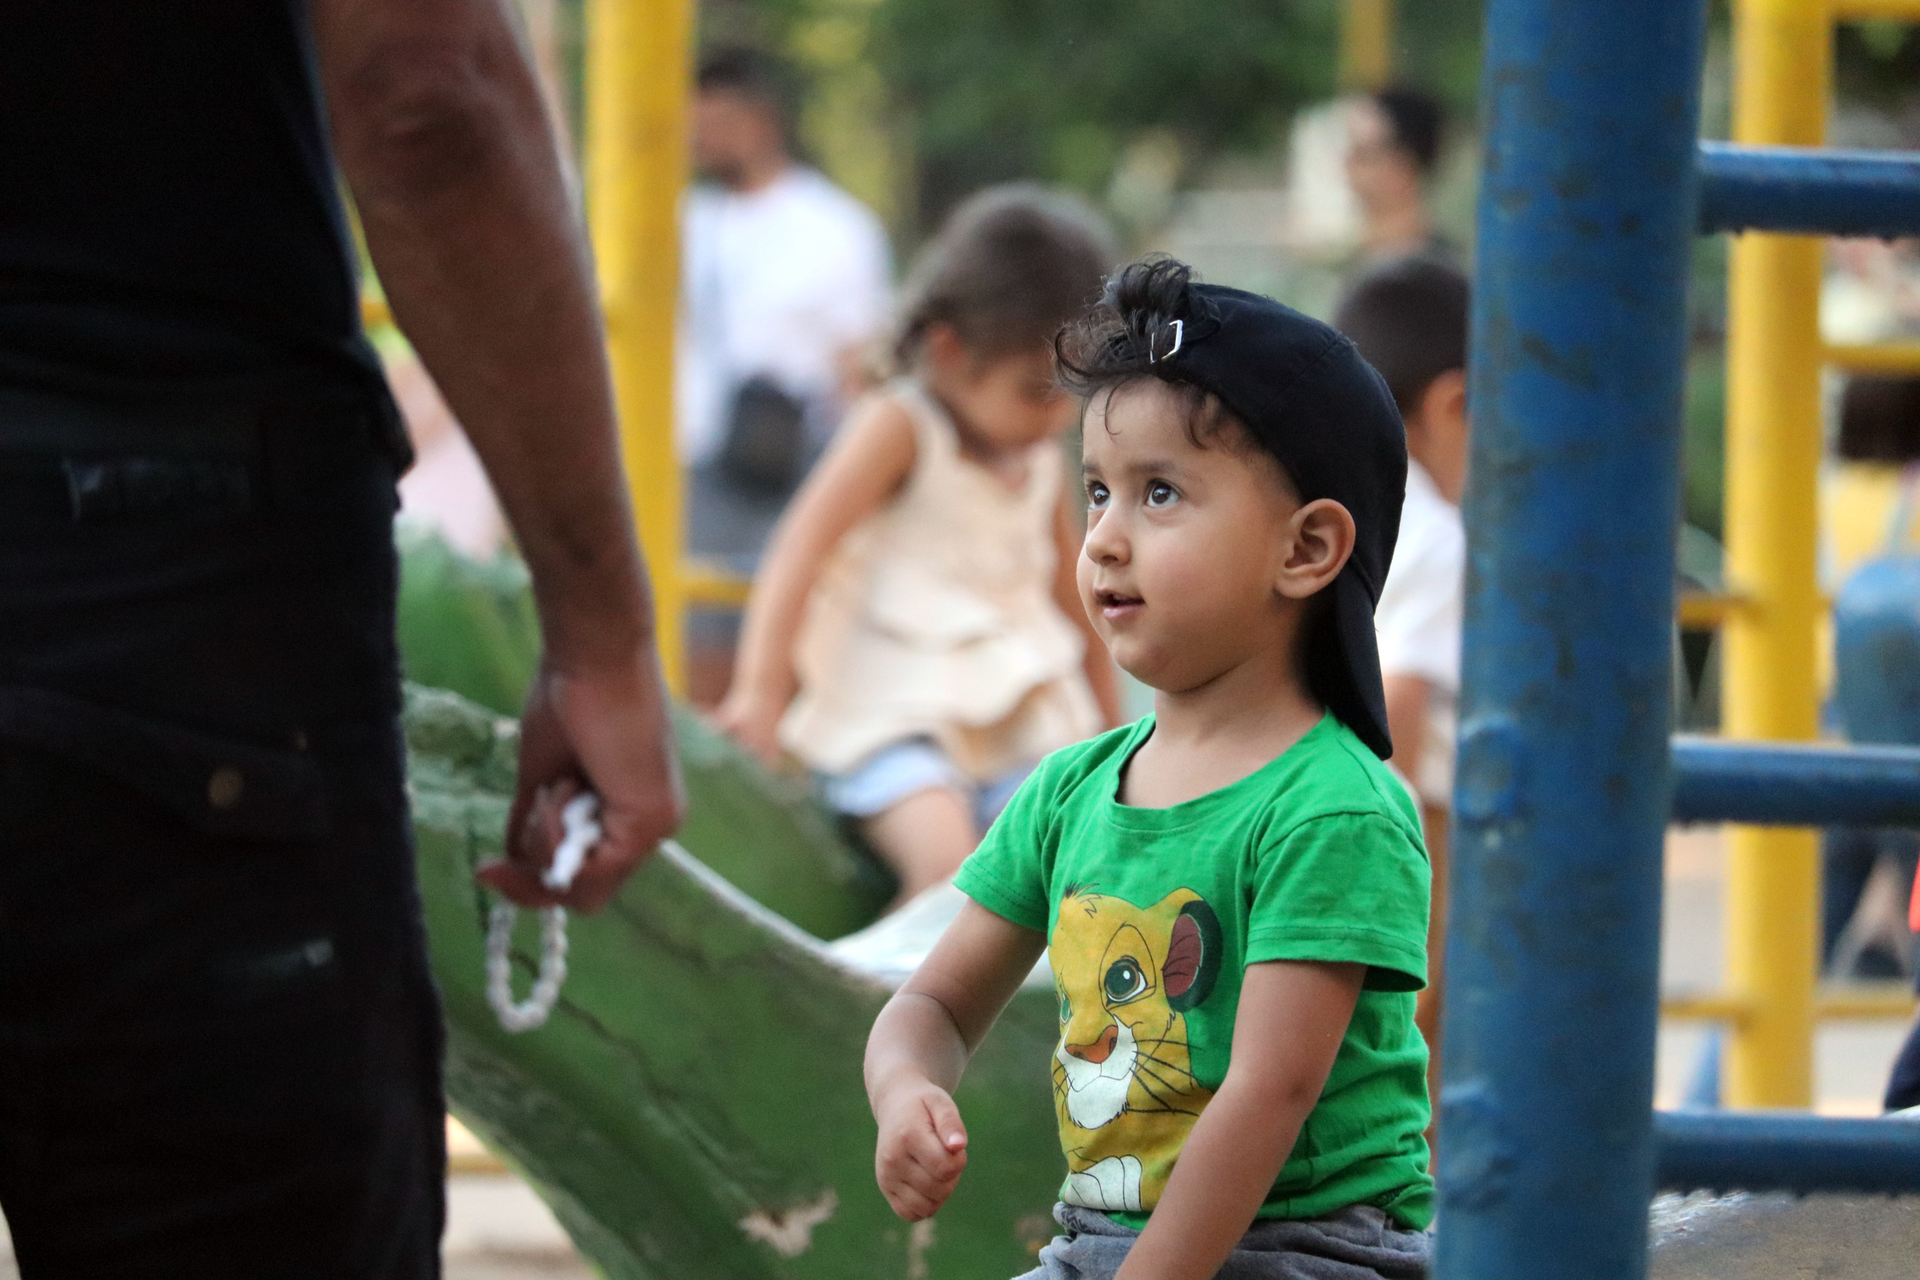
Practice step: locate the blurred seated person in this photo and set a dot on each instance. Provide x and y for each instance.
(785, 282)
(1869, 498)
(1393, 146)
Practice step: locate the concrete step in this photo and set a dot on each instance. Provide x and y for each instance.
(1785, 1237)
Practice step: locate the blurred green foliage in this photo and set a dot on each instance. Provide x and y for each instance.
(1878, 64)
(1053, 89)
(1703, 440)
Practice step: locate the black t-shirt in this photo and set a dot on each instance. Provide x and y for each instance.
(169, 219)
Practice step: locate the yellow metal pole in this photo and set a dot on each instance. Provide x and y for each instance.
(638, 55)
(1892, 359)
(1366, 44)
(1783, 67)
(1876, 10)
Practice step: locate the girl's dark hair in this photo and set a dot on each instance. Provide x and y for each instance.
(1011, 266)
(1121, 341)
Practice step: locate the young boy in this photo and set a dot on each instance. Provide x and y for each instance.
(1409, 319)
(1232, 892)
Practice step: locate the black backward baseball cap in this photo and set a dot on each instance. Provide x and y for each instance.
(1303, 390)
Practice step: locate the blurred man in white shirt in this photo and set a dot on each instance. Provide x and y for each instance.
(784, 282)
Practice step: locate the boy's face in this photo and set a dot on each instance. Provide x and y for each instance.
(1192, 551)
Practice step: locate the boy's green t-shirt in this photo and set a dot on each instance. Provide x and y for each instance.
(1153, 915)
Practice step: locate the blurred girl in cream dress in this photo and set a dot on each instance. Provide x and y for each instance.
(914, 635)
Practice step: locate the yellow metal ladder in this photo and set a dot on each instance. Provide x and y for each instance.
(1783, 69)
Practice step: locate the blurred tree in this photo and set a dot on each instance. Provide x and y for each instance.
(1878, 64)
(1054, 89)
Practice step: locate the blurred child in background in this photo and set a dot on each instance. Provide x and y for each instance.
(1409, 319)
(1869, 496)
(915, 636)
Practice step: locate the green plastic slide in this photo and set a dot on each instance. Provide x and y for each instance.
(693, 1109)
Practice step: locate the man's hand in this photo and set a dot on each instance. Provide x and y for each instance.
(603, 728)
(922, 1149)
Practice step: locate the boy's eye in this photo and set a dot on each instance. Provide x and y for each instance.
(1160, 493)
(1096, 494)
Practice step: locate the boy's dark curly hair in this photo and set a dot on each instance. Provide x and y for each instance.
(1127, 337)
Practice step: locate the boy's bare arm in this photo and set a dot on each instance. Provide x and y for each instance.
(1287, 1031)
(919, 1047)
(1101, 676)
(865, 466)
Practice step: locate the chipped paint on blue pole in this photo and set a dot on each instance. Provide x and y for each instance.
(1586, 217)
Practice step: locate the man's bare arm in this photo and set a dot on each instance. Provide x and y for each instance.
(440, 128)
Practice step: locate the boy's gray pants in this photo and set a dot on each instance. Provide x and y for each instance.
(1357, 1243)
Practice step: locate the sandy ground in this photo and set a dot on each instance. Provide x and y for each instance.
(499, 1230)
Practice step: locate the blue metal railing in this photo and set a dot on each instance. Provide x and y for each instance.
(1593, 187)
(1795, 786)
(1726, 1151)
(1808, 190)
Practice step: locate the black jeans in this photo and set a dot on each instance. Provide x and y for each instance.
(219, 1040)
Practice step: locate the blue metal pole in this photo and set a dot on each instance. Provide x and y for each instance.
(1795, 786)
(1585, 226)
(1809, 190)
(1725, 1151)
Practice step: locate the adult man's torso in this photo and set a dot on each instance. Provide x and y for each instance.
(168, 217)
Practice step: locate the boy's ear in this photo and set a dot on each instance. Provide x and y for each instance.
(1322, 535)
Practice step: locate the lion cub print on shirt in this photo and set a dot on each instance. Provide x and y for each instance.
(1123, 1082)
